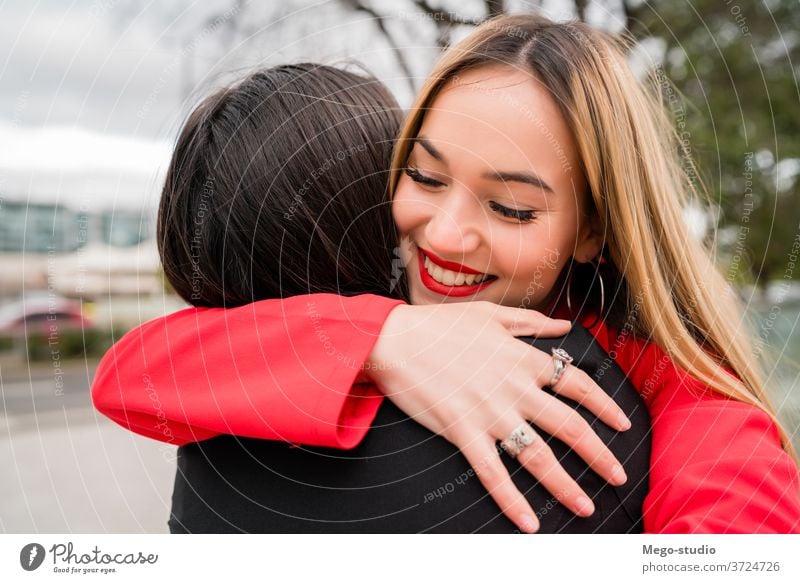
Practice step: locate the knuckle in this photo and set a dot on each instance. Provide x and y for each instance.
(602, 458)
(520, 356)
(459, 434)
(443, 419)
(488, 473)
(566, 494)
(460, 416)
(584, 385)
(539, 361)
(531, 317)
(451, 435)
(521, 391)
(574, 429)
(501, 410)
(495, 421)
(537, 454)
(607, 458)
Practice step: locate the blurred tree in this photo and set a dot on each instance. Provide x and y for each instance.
(736, 63)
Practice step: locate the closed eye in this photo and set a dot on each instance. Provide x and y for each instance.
(523, 216)
(519, 215)
(420, 178)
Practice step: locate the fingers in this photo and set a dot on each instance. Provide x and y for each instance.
(575, 384)
(565, 424)
(542, 464)
(524, 322)
(482, 456)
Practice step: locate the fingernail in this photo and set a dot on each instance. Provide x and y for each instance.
(585, 506)
(618, 475)
(529, 524)
(624, 422)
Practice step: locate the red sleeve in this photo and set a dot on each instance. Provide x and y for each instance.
(717, 464)
(285, 370)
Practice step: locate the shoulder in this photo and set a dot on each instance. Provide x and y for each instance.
(652, 371)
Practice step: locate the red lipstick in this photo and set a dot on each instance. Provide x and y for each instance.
(449, 264)
(456, 291)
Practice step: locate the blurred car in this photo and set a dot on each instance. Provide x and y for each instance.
(40, 314)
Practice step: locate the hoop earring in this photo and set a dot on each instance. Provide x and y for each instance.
(602, 294)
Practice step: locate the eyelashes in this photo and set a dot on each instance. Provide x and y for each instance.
(523, 216)
(420, 178)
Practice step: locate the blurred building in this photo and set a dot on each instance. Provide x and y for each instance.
(45, 228)
(76, 253)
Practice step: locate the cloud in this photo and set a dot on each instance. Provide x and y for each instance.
(79, 67)
(79, 167)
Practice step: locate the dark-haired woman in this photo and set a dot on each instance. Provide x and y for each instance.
(276, 188)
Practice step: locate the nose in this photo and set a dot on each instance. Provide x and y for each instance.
(454, 227)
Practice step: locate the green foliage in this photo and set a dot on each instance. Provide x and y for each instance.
(6, 343)
(732, 62)
(72, 343)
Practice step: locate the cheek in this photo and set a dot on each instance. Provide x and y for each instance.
(537, 257)
(407, 209)
(531, 265)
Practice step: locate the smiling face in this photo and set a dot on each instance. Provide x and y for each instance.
(492, 202)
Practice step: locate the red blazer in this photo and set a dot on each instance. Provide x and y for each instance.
(291, 370)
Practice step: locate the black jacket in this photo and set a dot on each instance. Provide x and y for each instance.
(403, 478)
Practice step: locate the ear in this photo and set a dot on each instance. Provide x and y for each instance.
(591, 239)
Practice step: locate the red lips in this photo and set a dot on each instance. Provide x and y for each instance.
(449, 264)
(455, 291)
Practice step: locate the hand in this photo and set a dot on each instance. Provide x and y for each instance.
(468, 379)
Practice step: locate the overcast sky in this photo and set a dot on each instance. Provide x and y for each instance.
(103, 65)
(85, 107)
(92, 92)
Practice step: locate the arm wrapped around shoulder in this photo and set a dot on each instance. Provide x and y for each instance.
(286, 370)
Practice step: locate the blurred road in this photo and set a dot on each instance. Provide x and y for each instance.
(67, 469)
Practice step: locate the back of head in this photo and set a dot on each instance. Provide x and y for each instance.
(277, 187)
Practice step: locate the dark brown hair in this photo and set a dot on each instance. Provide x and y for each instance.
(278, 187)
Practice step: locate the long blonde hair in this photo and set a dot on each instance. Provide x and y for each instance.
(629, 154)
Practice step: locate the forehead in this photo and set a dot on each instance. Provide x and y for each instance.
(499, 113)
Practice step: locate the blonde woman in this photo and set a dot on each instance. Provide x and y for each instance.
(533, 171)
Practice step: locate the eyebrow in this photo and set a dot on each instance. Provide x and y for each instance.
(425, 143)
(522, 177)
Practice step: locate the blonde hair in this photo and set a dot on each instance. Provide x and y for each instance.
(629, 155)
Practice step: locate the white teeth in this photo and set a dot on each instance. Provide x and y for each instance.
(452, 278)
(449, 277)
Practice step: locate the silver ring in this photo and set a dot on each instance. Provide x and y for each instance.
(522, 436)
(561, 359)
